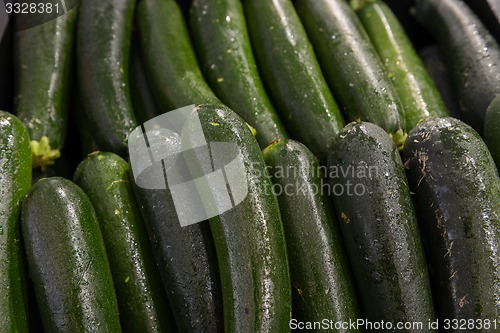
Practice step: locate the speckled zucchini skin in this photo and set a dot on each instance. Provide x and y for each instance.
(379, 225)
(249, 238)
(15, 181)
(458, 194)
(472, 54)
(292, 74)
(67, 259)
(413, 84)
(223, 47)
(322, 285)
(142, 301)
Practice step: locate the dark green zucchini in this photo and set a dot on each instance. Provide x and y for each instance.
(322, 286)
(43, 65)
(472, 55)
(352, 66)
(103, 46)
(223, 47)
(413, 84)
(292, 74)
(185, 255)
(492, 129)
(142, 301)
(458, 194)
(15, 181)
(379, 226)
(67, 259)
(249, 238)
(171, 66)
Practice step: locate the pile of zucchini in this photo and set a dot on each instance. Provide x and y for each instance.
(370, 159)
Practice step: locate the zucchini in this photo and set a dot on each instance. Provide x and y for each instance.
(15, 181)
(249, 238)
(413, 84)
(225, 54)
(67, 259)
(142, 301)
(352, 66)
(171, 66)
(42, 84)
(185, 255)
(322, 286)
(292, 74)
(458, 195)
(379, 225)
(471, 52)
(492, 129)
(103, 70)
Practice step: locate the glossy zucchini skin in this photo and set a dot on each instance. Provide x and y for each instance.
(43, 74)
(15, 181)
(220, 36)
(169, 58)
(142, 302)
(103, 70)
(292, 74)
(418, 94)
(379, 225)
(472, 53)
(249, 238)
(492, 129)
(352, 66)
(185, 256)
(458, 195)
(312, 237)
(67, 259)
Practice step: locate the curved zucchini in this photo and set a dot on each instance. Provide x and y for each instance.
(170, 62)
(103, 45)
(249, 238)
(142, 301)
(67, 259)
(292, 74)
(312, 237)
(413, 84)
(43, 65)
(471, 52)
(15, 181)
(352, 66)
(185, 255)
(458, 194)
(223, 47)
(379, 225)
(492, 129)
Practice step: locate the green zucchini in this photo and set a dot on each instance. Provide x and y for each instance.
(225, 54)
(472, 53)
(312, 237)
(67, 259)
(43, 65)
(292, 74)
(492, 129)
(185, 255)
(458, 195)
(169, 58)
(352, 66)
(379, 225)
(413, 84)
(142, 301)
(103, 45)
(15, 181)
(249, 238)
